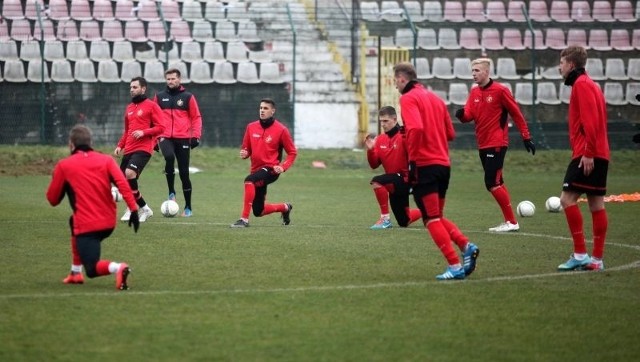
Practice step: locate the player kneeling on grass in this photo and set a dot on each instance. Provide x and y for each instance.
(86, 178)
(388, 150)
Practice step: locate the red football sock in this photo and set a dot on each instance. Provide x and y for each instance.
(414, 215)
(600, 224)
(501, 194)
(382, 195)
(456, 235)
(74, 252)
(441, 237)
(271, 208)
(574, 220)
(102, 268)
(249, 195)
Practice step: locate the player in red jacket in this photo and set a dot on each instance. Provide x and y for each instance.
(489, 104)
(428, 130)
(142, 124)
(389, 150)
(263, 142)
(86, 177)
(587, 171)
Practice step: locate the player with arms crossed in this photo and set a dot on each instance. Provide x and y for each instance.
(489, 104)
(389, 150)
(86, 177)
(428, 130)
(587, 171)
(263, 142)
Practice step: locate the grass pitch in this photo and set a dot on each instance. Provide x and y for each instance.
(325, 288)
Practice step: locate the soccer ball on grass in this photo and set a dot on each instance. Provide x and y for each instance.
(553, 204)
(526, 209)
(169, 208)
(115, 193)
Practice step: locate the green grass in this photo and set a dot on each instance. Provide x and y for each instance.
(325, 288)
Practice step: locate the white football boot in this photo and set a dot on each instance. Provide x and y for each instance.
(126, 216)
(145, 213)
(505, 227)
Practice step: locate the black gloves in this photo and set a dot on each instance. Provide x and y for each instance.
(528, 144)
(636, 138)
(134, 220)
(413, 172)
(194, 142)
(460, 114)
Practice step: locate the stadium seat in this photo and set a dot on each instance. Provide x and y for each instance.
(108, 72)
(462, 68)
(368, 9)
(577, 37)
(506, 69)
(154, 72)
(620, 40)
(514, 11)
(404, 38)
(47, 33)
(148, 11)
(89, 31)
(414, 9)
(422, 69)
(260, 56)
(156, 32)
(21, 30)
(547, 93)
(53, 50)
(171, 54)
(633, 69)
(8, 50)
(491, 39)
(147, 55)
(67, 31)
(236, 11)
(599, 40)
(30, 9)
(236, 52)
(191, 52)
(4, 31)
(524, 93)
(564, 93)
(496, 12)
(458, 93)
(448, 39)
(225, 31)
(130, 70)
(201, 73)
(633, 89)
(122, 51)
(30, 50)
(442, 94)
(474, 12)
(14, 71)
(555, 39)
(124, 10)
(191, 11)
(170, 10)
(512, 39)
(112, 31)
(270, 73)
(214, 11)
(99, 50)
(247, 73)
(551, 73)
(102, 10)
(79, 11)
(595, 69)
(432, 11)
(540, 45)
(602, 12)
(223, 73)
(58, 10)
(61, 71)
(37, 73)
(12, 10)
(213, 52)
(427, 39)
(180, 31)
(134, 31)
(469, 39)
(635, 39)
(202, 31)
(391, 11)
(441, 68)
(623, 11)
(614, 94)
(248, 32)
(453, 12)
(539, 12)
(182, 67)
(85, 72)
(581, 11)
(76, 50)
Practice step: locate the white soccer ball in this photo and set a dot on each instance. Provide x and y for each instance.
(169, 208)
(526, 209)
(553, 204)
(115, 193)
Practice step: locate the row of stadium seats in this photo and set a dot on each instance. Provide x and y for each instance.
(512, 39)
(550, 93)
(121, 51)
(505, 68)
(475, 12)
(125, 10)
(131, 30)
(200, 72)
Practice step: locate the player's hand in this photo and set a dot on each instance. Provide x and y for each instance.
(460, 114)
(586, 164)
(134, 220)
(244, 153)
(194, 142)
(530, 146)
(413, 173)
(369, 141)
(137, 134)
(117, 151)
(278, 169)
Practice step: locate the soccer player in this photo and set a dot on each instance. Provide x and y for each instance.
(587, 171)
(389, 150)
(183, 129)
(489, 104)
(263, 142)
(428, 130)
(142, 124)
(86, 178)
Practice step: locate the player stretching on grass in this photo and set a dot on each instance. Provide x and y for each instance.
(389, 150)
(263, 142)
(86, 178)
(489, 104)
(428, 129)
(587, 171)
